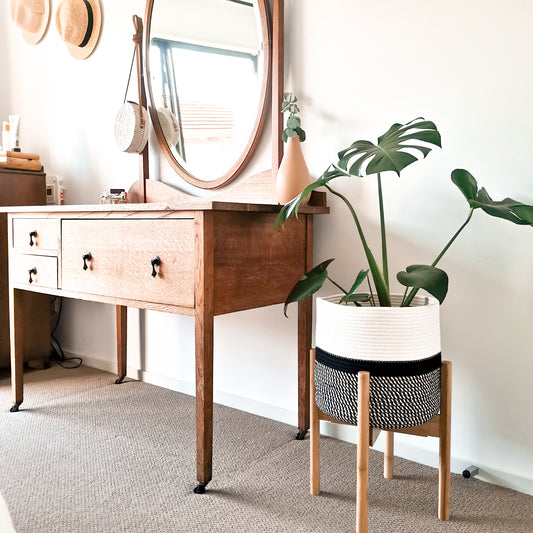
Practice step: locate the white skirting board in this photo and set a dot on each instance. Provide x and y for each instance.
(404, 445)
(6, 525)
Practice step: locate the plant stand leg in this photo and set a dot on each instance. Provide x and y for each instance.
(314, 448)
(444, 440)
(388, 455)
(363, 380)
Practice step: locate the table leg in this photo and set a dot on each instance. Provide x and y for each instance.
(122, 334)
(204, 398)
(305, 310)
(16, 335)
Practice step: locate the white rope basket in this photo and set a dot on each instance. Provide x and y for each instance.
(399, 346)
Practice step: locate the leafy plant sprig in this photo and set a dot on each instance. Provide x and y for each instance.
(394, 151)
(294, 125)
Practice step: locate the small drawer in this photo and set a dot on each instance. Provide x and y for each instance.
(36, 235)
(114, 258)
(34, 270)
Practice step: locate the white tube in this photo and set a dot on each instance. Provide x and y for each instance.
(14, 126)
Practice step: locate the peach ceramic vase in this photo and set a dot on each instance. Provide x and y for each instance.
(293, 175)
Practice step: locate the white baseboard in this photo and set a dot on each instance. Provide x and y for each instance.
(403, 447)
(6, 525)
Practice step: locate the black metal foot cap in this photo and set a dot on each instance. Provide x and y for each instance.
(119, 380)
(301, 434)
(15, 408)
(200, 488)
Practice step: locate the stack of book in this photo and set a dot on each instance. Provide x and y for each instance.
(20, 161)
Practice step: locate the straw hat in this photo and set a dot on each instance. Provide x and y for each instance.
(78, 23)
(32, 17)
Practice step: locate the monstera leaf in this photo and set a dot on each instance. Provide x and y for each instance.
(351, 295)
(394, 150)
(291, 208)
(432, 279)
(308, 284)
(507, 208)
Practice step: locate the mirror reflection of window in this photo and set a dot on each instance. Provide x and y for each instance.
(206, 69)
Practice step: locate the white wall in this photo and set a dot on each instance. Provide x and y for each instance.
(356, 68)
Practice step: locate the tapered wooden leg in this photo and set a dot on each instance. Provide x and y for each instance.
(16, 335)
(305, 324)
(122, 334)
(204, 399)
(305, 318)
(444, 440)
(203, 341)
(363, 380)
(314, 449)
(388, 455)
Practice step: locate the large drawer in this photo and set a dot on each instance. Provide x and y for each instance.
(36, 235)
(34, 270)
(121, 254)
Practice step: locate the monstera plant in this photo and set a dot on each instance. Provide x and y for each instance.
(399, 147)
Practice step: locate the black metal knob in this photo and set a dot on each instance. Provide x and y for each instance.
(32, 272)
(32, 235)
(155, 262)
(86, 257)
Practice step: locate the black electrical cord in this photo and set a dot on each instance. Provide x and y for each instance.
(57, 352)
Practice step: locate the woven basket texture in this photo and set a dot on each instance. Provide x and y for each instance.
(386, 335)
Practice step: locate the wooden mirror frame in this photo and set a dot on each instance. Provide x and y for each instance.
(255, 135)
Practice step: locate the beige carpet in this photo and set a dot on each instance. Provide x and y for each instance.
(84, 455)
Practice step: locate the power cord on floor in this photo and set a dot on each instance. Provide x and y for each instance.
(57, 353)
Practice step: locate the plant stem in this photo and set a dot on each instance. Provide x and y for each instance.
(407, 301)
(372, 301)
(450, 242)
(337, 285)
(404, 295)
(377, 275)
(384, 256)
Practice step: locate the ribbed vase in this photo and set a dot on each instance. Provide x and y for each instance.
(398, 346)
(293, 175)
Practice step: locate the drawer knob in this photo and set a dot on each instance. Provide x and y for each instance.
(32, 272)
(155, 262)
(86, 257)
(32, 235)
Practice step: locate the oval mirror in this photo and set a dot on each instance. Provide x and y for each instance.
(207, 65)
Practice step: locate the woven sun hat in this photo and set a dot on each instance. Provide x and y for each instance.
(131, 128)
(32, 17)
(170, 125)
(78, 23)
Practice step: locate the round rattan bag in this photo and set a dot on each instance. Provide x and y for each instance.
(131, 128)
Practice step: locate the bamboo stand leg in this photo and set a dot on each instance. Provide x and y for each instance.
(444, 440)
(388, 455)
(314, 449)
(363, 380)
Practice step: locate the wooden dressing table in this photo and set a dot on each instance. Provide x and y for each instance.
(201, 259)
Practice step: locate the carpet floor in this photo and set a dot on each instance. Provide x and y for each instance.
(84, 455)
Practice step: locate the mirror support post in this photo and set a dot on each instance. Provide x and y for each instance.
(143, 161)
(278, 15)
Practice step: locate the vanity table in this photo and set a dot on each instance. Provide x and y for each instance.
(201, 259)
(167, 250)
